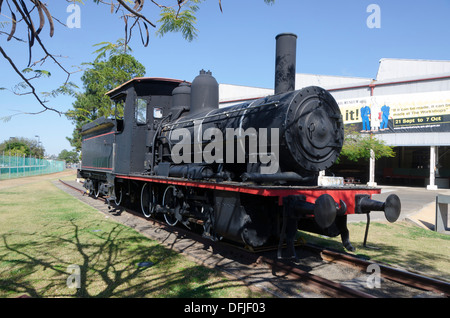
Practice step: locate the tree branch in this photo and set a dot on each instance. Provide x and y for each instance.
(36, 36)
(135, 13)
(33, 90)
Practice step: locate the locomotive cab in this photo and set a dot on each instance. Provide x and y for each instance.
(144, 103)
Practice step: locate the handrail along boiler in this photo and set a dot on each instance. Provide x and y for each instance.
(249, 192)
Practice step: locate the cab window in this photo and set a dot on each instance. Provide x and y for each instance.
(119, 105)
(141, 111)
(157, 113)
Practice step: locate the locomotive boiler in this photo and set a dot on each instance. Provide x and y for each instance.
(247, 173)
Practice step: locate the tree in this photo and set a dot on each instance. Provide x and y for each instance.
(102, 76)
(174, 16)
(69, 156)
(20, 146)
(364, 147)
(358, 146)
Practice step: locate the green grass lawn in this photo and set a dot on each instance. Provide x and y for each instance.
(43, 231)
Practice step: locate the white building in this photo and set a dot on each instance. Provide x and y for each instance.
(407, 105)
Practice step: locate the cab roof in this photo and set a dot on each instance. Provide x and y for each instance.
(163, 84)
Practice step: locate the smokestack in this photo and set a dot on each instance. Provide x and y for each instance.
(285, 60)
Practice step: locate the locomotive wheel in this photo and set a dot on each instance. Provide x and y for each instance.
(148, 200)
(170, 202)
(257, 223)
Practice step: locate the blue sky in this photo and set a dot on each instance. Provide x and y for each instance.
(238, 46)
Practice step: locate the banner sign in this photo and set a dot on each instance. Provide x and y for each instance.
(401, 113)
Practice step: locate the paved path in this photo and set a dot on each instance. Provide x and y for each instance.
(11, 183)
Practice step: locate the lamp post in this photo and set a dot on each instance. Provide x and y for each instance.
(38, 146)
(38, 142)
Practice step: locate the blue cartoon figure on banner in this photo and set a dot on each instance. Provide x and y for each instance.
(384, 117)
(365, 115)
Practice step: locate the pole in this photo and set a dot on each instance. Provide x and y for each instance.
(372, 182)
(432, 185)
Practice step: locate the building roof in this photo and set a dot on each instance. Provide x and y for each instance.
(328, 81)
(229, 93)
(390, 69)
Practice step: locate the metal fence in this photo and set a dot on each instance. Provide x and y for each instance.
(19, 166)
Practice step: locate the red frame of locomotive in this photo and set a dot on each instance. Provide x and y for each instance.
(345, 194)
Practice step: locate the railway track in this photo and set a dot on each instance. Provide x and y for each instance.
(320, 286)
(408, 278)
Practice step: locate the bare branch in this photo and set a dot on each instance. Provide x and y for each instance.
(135, 13)
(33, 90)
(36, 36)
(159, 5)
(14, 37)
(13, 28)
(176, 16)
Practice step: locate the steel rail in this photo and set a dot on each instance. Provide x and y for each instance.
(71, 186)
(326, 286)
(398, 275)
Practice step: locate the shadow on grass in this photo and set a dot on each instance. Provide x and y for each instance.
(109, 263)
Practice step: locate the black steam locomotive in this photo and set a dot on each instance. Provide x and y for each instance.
(246, 173)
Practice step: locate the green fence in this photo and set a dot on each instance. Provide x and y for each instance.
(19, 166)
